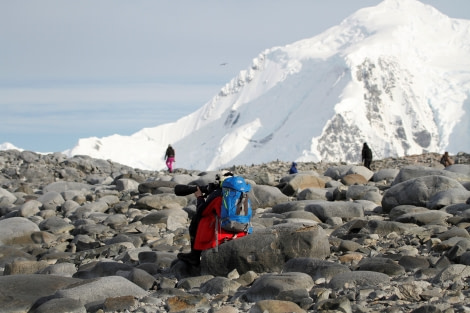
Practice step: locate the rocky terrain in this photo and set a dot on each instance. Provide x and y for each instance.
(87, 235)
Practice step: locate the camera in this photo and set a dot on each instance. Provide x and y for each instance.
(184, 190)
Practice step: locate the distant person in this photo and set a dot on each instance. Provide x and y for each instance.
(170, 158)
(366, 155)
(446, 160)
(293, 168)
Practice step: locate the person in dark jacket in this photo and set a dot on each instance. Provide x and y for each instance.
(446, 160)
(170, 158)
(293, 168)
(366, 155)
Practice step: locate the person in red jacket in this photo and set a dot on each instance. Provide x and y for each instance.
(204, 229)
(194, 257)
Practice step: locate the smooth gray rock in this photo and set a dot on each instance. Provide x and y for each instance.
(413, 172)
(451, 274)
(7, 196)
(414, 263)
(16, 229)
(292, 184)
(327, 209)
(424, 218)
(292, 206)
(96, 290)
(60, 269)
(316, 268)
(220, 286)
(263, 196)
(161, 201)
(359, 278)
(172, 218)
(418, 191)
(361, 192)
(405, 209)
(189, 283)
(139, 277)
(20, 292)
(56, 225)
(380, 265)
(385, 174)
(448, 197)
(126, 184)
(273, 306)
(8, 254)
(62, 186)
(337, 172)
(30, 208)
(51, 200)
(315, 194)
(101, 269)
(269, 286)
(62, 305)
(266, 251)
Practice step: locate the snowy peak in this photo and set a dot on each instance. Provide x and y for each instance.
(396, 75)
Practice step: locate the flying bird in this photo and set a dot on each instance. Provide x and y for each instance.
(222, 64)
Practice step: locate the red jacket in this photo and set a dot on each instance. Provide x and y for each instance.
(207, 230)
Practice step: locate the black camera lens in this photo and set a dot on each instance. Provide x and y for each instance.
(184, 190)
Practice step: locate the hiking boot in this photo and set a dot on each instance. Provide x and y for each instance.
(192, 258)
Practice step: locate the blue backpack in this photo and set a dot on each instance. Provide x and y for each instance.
(235, 213)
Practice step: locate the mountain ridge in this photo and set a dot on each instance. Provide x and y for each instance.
(378, 77)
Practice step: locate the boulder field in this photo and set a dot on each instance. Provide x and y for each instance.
(86, 235)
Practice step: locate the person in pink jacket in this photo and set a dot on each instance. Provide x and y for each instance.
(170, 158)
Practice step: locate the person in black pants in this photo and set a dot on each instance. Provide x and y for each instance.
(366, 155)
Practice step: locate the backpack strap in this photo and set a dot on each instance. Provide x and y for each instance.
(216, 231)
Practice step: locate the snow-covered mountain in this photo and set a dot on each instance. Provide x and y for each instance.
(9, 146)
(396, 76)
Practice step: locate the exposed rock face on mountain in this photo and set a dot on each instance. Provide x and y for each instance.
(89, 235)
(395, 76)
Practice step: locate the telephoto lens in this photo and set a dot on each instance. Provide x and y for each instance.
(184, 190)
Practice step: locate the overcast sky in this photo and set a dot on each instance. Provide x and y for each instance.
(76, 69)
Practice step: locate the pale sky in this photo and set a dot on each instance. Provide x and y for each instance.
(77, 69)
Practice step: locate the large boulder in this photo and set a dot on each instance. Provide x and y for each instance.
(61, 186)
(99, 289)
(412, 172)
(172, 218)
(266, 251)
(161, 201)
(419, 191)
(21, 292)
(16, 230)
(328, 209)
(269, 286)
(316, 268)
(7, 196)
(263, 196)
(293, 184)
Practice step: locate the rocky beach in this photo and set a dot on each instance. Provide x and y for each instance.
(88, 235)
